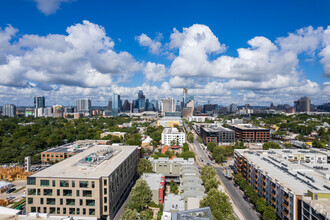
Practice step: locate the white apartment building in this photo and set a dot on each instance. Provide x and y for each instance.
(172, 135)
(200, 118)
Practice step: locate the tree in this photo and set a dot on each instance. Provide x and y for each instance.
(129, 214)
(212, 183)
(144, 166)
(269, 213)
(187, 154)
(261, 205)
(207, 172)
(185, 147)
(173, 187)
(269, 145)
(219, 204)
(140, 196)
(147, 215)
(210, 146)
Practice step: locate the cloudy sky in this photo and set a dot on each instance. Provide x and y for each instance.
(225, 52)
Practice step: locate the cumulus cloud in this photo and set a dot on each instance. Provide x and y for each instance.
(84, 57)
(155, 46)
(49, 6)
(154, 72)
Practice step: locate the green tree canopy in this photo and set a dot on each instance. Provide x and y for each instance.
(140, 196)
(219, 204)
(210, 146)
(269, 213)
(130, 214)
(269, 145)
(144, 166)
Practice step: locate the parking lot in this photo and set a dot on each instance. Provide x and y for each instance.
(18, 195)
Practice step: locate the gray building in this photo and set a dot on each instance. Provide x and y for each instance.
(168, 105)
(303, 104)
(115, 104)
(9, 110)
(217, 134)
(92, 183)
(39, 102)
(84, 106)
(233, 108)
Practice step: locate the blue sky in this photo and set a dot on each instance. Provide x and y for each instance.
(272, 67)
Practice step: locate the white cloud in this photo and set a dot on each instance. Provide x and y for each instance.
(85, 57)
(49, 6)
(154, 72)
(154, 45)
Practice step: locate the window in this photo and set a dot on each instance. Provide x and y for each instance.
(73, 184)
(91, 211)
(105, 182)
(90, 202)
(72, 211)
(31, 192)
(58, 192)
(31, 181)
(64, 183)
(87, 193)
(78, 211)
(105, 208)
(67, 192)
(54, 183)
(77, 192)
(93, 184)
(81, 202)
(41, 201)
(64, 211)
(38, 192)
(83, 184)
(50, 201)
(105, 191)
(33, 209)
(44, 182)
(58, 211)
(70, 202)
(45, 209)
(48, 192)
(61, 201)
(30, 200)
(105, 199)
(84, 212)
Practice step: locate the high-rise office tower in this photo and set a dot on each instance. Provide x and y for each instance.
(39, 102)
(84, 106)
(141, 101)
(9, 110)
(303, 104)
(115, 104)
(126, 106)
(233, 108)
(168, 105)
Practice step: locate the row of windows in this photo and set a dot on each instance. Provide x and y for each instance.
(65, 211)
(52, 201)
(63, 183)
(65, 192)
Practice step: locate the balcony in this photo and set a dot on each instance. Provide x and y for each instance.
(286, 214)
(274, 195)
(263, 179)
(284, 205)
(273, 187)
(256, 178)
(286, 198)
(273, 201)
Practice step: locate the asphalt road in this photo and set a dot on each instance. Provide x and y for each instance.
(245, 207)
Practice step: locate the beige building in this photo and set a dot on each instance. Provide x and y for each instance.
(91, 183)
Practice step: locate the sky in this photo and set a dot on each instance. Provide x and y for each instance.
(224, 52)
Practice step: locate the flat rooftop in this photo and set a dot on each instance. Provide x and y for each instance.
(299, 178)
(173, 202)
(154, 180)
(107, 159)
(172, 131)
(248, 127)
(217, 129)
(70, 148)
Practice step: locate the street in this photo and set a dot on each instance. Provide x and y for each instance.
(245, 207)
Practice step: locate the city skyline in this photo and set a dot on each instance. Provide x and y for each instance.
(218, 59)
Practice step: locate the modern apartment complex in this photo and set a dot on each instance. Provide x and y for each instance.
(172, 136)
(91, 183)
(217, 134)
(84, 106)
(290, 188)
(250, 133)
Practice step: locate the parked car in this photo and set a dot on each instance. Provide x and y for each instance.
(10, 190)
